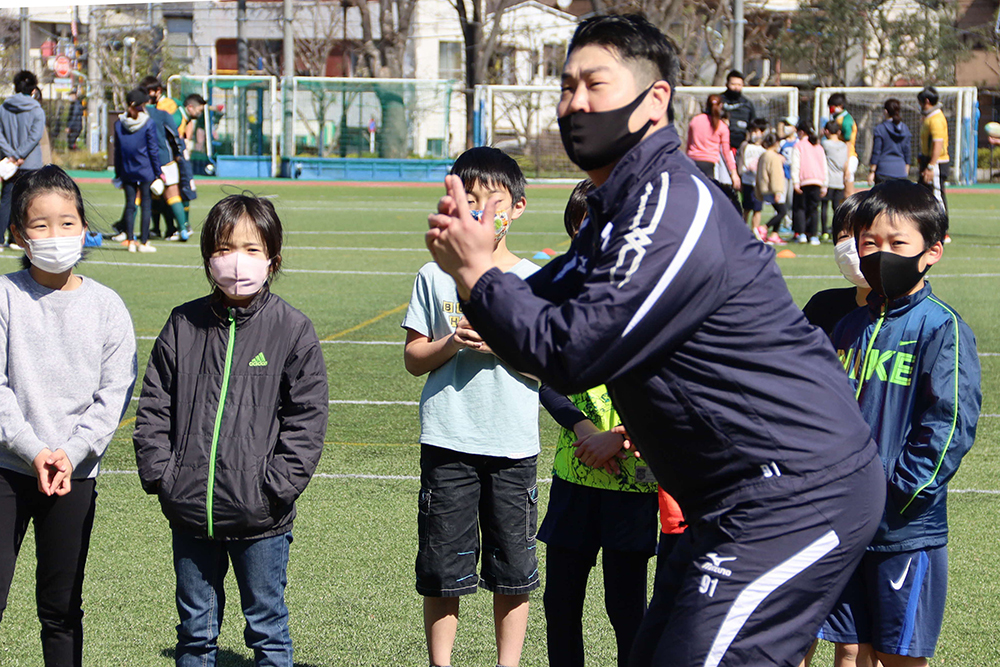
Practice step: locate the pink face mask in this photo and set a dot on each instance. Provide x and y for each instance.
(238, 274)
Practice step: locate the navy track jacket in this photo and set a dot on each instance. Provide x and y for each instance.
(921, 395)
(667, 299)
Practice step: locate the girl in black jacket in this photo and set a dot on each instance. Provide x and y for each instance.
(228, 433)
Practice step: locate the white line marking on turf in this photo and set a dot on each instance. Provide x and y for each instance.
(352, 402)
(415, 478)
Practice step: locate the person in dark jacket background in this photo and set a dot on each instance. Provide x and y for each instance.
(229, 438)
(137, 165)
(738, 404)
(890, 146)
(22, 124)
(739, 108)
(74, 120)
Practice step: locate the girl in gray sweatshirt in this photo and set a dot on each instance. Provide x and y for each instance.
(67, 368)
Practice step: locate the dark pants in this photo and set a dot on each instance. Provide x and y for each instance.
(774, 224)
(805, 211)
(62, 538)
(707, 168)
(751, 583)
(7, 202)
(566, 573)
(73, 133)
(937, 184)
(835, 197)
(146, 206)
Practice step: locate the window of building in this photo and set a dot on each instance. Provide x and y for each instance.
(553, 56)
(450, 60)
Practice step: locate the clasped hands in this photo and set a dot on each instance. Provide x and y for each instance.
(53, 470)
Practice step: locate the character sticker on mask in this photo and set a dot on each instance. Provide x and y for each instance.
(501, 223)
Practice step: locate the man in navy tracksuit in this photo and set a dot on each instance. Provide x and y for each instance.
(738, 404)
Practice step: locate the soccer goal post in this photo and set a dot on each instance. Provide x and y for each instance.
(521, 120)
(361, 117)
(242, 118)
(960, 106)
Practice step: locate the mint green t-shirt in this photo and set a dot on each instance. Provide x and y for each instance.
(474, 403)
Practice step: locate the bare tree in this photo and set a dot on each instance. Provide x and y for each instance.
(10, 40)
(128, 50)
(480, 48)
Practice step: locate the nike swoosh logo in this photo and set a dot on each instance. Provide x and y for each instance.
(896, 585)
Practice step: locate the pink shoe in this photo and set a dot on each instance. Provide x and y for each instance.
(760, 231)
(774, 239)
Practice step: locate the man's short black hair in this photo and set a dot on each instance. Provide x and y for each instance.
(25, 82)
(194, 98)
(151, 83)
(635, 40)
(576, 207)
(901, 198)
(735, 74)
(837, 100)
(929, 95)
(490, 166)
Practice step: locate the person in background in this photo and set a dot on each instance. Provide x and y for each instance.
(788, 137)
(707, 136)
(191, 111)
(749, 155)
(771, 187)
(890, 146)
(809, 179)
(739, 107)
(74, 120)
(849, 132)
(836, 156)
(22, 127)
(137, 165)
(933, 160)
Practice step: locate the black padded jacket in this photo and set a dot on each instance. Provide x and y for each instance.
(232, 416)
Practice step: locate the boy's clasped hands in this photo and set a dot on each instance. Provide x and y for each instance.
(603, 449)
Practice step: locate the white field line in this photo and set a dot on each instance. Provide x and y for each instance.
(350, 402)
(415, 478)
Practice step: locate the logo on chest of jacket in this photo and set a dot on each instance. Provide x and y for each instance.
(259, 360)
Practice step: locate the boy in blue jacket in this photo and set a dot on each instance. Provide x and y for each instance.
(912, 362)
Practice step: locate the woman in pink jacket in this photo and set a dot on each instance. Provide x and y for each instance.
(809, 178)
(708, 139)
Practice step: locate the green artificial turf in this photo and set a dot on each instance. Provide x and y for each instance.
(350, 257)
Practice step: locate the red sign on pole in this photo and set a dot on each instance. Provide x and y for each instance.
(61, 66)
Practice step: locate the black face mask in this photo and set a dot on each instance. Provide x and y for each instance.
(599, 138)
(732, 95)
(891, 275)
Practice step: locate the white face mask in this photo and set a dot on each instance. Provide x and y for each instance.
(56, 254)
(846, 255)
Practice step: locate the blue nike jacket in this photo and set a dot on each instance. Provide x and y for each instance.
(666, 298)
(920, 392)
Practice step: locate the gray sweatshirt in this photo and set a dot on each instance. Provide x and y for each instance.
(67, 368)
(22, 123)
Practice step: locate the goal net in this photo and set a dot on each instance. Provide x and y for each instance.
(521, 120)
(243, 113)
(380, 118)
(959, 104)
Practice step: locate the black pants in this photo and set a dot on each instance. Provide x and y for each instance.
(7, 201)
(805, 211)
(146, 207)
(566, 573)
(937, 184)
(62, 538)
(707, 168)
(835, 197)
(774, 224)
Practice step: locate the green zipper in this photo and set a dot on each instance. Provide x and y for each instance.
(218, 422)
(871, 343)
